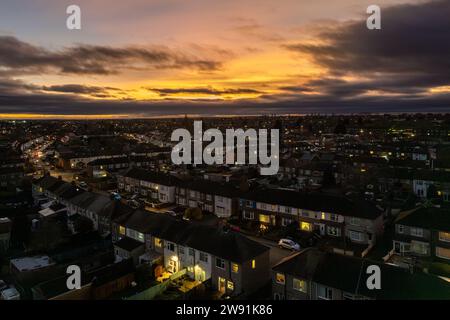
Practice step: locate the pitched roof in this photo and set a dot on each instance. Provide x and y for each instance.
(349, 274)
(150, 176)
(211, 187)
(316, 202)
(427, 218)
(228, 245)
(128, 244)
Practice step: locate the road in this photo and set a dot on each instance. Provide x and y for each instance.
(276, 253)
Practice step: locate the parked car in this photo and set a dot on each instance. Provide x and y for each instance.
(289, 244)
(83, 185)
(176, 212)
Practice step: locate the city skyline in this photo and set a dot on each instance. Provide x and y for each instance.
(169, 58)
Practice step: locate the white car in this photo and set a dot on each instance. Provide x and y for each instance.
(288, 244)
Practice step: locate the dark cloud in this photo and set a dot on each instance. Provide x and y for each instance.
(388, 70)
(409, 55)
(206, 91)
(79, 89)
(22, 57)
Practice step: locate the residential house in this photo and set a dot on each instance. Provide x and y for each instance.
(317, 275)
(423, 233)
(231, 262)
(335, 217)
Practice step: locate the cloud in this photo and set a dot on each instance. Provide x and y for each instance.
(408, 56)
(78, 89)
(21, 57)
(254, 30)
(204, 91)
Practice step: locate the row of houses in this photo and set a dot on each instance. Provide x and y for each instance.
(97, 208)
(317, 275)
(328, 215)
(230, 262)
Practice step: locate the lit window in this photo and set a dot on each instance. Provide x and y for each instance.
(323, 216)
(158, 242)
(280, 278)
(122, 230)
(305, 226)
(235, 267)
(444, 236)
(230, 285)
(253, 264)
(264, 218)
(299, 285)
(443, 253)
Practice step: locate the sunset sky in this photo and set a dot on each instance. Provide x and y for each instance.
(216, 57)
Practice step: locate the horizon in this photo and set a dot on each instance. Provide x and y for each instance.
(228, 57)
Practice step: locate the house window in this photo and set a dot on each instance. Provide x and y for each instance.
(122, 230)
(417, 232)
(400, 228)
(324, 293)
(443, 253)
(419, 247)
(158, 243)
(170, 246)
(444, 236)
(355, 236)
(305, 226)
(220, 263)
(249, 215)
(230, 285)
(191, 252)
(140, 237)
(299, 285)
(285, 222)
(203, 257)
(253, 264)
(355, 221)
(334, 231)
(264, 218)
(334, 217)
(181, 250)
(280, 278)
(235, 267)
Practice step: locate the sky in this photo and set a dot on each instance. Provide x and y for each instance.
(144, 58)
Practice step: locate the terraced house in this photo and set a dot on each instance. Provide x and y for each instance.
(215, 197)
(423, 233)
(231, 263)
(333, 217)
(317, 275)
(99, 209)
(155, 186)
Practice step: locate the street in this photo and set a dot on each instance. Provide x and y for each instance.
(276, 253)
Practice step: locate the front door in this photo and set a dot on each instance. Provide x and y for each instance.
(222, 284)
(173, 266)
